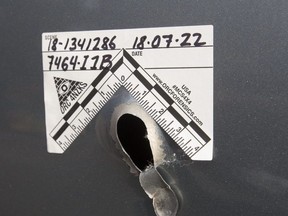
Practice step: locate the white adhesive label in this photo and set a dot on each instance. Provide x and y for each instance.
(169, 71)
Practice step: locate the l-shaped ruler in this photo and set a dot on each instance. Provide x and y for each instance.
(122, 70)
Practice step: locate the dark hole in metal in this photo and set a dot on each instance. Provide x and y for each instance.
(132, 134)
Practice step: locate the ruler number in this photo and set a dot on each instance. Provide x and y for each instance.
(122, 78)
(161, 111)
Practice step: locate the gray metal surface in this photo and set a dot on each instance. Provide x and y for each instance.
(248, 175)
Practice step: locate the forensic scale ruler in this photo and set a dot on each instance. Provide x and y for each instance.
(169, 71)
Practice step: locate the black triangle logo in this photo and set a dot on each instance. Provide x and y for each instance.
(68, 91)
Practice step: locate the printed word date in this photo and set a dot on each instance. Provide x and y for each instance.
(169, 40)
(71, 44)
(75, 62)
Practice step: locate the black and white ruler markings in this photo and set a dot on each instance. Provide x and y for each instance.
(125, 71)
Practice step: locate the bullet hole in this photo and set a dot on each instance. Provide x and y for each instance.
(132, 134)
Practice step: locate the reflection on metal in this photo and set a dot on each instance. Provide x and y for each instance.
(165, 202)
